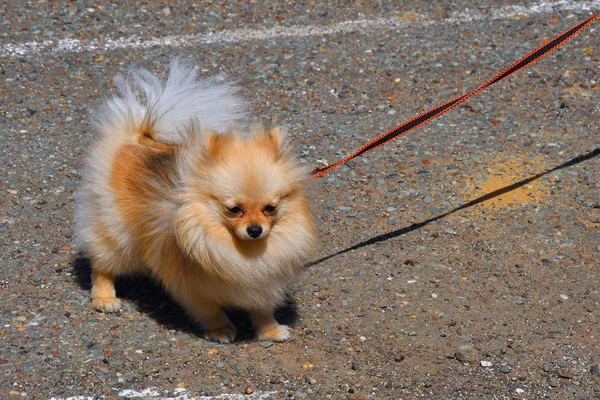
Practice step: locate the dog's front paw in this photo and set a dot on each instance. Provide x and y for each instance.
(226, 334)
(277, 333)
(106, 304)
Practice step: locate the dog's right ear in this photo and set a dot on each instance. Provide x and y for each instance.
(212, 144)
(277, 136)
(215, 143)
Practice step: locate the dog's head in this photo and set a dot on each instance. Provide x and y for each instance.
(249, 182)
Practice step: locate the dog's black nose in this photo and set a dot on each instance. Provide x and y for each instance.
(254, 231)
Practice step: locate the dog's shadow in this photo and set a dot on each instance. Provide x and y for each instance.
(149, 297)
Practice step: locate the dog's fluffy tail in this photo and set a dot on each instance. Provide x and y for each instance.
(166, 107)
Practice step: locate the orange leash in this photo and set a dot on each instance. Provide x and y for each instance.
(435, 112)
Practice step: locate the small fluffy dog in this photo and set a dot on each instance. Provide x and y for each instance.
(221, 217)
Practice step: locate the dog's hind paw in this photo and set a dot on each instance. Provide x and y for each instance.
(226, 334)
(276, 333)
(106, 304)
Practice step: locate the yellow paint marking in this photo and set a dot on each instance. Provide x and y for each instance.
(503, 172)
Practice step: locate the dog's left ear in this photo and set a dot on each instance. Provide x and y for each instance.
(277, 136)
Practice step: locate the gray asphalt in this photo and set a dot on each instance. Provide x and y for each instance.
(459, 262)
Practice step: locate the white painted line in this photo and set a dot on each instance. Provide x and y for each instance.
(524, 11)
(74, 398)
(243, 35)
(180, 394)
(153, 393)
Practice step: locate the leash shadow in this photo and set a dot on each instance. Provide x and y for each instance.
(413, 227)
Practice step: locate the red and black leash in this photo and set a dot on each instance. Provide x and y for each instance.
(435, 112)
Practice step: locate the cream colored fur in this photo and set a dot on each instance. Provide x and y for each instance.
(173, 186)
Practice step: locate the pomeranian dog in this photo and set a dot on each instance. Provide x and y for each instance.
(220, 215)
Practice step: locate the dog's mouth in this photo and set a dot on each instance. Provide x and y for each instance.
(249, 239)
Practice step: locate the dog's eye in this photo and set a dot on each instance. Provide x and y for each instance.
(270, 208)
(235, 210)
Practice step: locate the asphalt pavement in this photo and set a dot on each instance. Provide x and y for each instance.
(458, 262)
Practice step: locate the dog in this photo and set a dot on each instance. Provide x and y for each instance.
(219, 214)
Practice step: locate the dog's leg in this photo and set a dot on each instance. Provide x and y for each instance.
(267, 327)
(216, 323)
(104, 296)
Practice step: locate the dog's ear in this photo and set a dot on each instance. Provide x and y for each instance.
(277, 136)
(215, 143)
(212, 143)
